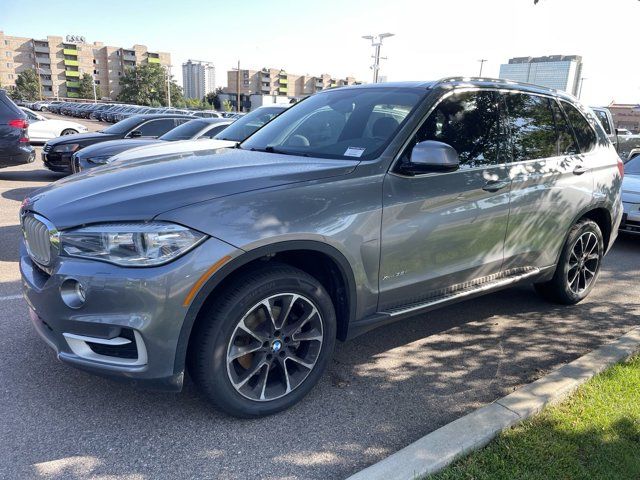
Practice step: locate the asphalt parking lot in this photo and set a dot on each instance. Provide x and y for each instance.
(382, 391)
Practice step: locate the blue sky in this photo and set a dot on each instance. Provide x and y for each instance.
(433, 39)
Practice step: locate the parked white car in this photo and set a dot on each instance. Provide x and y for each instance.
(42, 129)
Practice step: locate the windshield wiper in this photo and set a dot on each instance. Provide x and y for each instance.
(270, 149)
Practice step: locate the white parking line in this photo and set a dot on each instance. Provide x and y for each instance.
(10, 297)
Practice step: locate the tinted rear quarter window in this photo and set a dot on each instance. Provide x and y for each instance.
(584, 133)
(567, 144)
(604, 120)
(533, 132)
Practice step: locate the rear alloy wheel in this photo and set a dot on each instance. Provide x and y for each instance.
(578, 267)
(264, 342)
(68, 131)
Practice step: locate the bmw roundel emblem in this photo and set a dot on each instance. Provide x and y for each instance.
(276, 346)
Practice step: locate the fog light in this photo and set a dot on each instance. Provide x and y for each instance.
(72, 293)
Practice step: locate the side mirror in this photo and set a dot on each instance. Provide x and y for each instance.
(135, 134)
(432, 156)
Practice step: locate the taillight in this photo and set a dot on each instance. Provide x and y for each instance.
(22, 125)
(19, 123)
(621, 168)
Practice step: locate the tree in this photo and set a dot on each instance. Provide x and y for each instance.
(146, 84)
(213, 98)
(27, 86)
(226, 105)
(85, 90)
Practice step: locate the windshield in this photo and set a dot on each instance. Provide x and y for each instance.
(632, 167)
(186, 131)
(341, 123)
(249, 123)
(122, 126)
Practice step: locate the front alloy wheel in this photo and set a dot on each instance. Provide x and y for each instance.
(264, 342)
(274, 347)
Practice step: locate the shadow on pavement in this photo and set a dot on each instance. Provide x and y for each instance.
(41, 175)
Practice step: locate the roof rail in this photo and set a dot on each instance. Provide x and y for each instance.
(494, 80)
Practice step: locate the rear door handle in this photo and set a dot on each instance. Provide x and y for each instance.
(495, 185)
(579, 170)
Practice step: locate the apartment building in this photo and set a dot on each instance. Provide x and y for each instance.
(561, 72)
(198, 78)
(62, 61)
(278, 82)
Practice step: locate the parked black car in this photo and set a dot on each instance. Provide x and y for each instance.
(56, 153)
(14, 139)
(99, 154)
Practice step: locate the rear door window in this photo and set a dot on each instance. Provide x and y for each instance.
(532, 126)
(567, 144)
(585, 135)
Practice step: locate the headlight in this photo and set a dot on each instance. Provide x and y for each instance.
(71, 147)
(99, 160)
(130, 244)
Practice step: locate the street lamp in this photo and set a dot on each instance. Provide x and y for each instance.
(482, 60)
(376, 43)
(582, 79)
(169, 85)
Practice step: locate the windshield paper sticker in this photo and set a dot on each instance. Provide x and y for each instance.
(354, 152)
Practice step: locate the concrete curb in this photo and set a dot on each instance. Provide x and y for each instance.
(441, 447)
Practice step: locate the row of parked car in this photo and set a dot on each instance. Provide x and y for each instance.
(74, 153)
(114, 112)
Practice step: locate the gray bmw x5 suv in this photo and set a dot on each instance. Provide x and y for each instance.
(357, 207)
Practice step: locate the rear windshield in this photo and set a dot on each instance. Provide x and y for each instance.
(249, 123)
(122, 126)
(632, 167)
(186, 131)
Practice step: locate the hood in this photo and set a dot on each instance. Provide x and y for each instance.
(113, 147)
(81, 138)
(140, 190)
(182, 147)
(631, 188)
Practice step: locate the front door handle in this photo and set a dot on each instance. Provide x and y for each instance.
(495, 185)
(579, 170)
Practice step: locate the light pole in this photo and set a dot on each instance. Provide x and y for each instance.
(93, 82)
(169, 85)
(376, 43)
(237, 86)
(582, 79)
(482, 60)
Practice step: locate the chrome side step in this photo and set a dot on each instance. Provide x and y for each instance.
(461, 291)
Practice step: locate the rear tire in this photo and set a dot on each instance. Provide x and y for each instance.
(578, 267)
(264, 342)
(68, 131)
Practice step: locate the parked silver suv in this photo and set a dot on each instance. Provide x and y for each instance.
(356, 207)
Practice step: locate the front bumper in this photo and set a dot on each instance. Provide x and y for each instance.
(146, 301)
(630, 218)
(57, 162)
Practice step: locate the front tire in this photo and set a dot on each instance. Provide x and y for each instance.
(578, 267)
(264, 342)
(68, 131)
